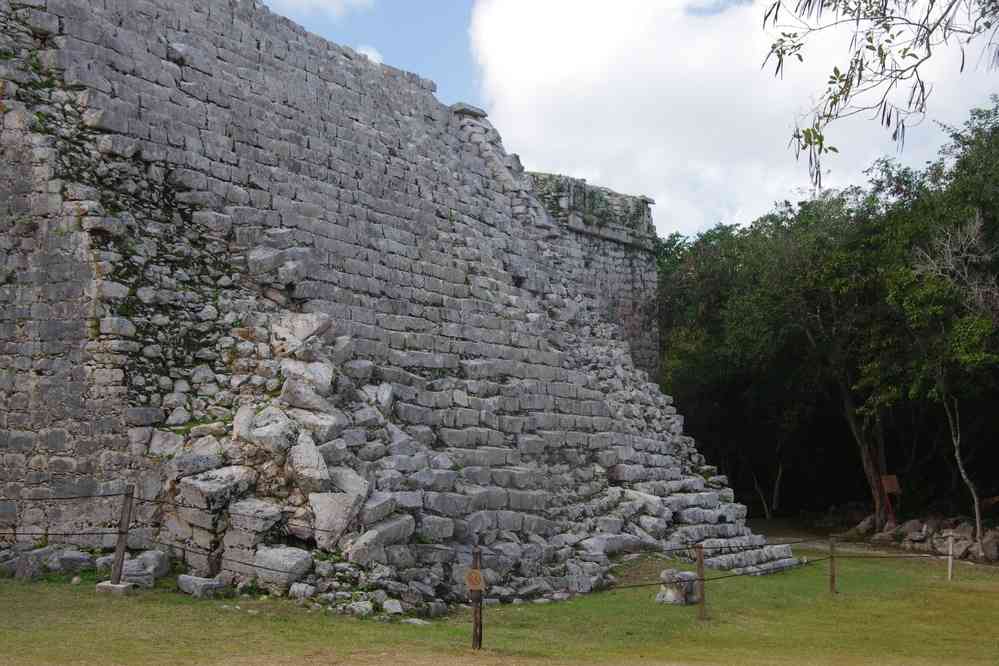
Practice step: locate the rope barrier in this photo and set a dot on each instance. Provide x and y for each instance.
(733, 549)
(229, 560)
(65, 534)
(757, 574)
(888, 557)
(57, 499)
(231, 513)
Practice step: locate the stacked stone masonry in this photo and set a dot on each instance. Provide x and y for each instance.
(304, 306)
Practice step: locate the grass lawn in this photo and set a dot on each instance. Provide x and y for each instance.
(887, 612)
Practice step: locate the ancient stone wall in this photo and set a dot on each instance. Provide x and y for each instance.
(59, 408)
(300, 303)
(612, 256)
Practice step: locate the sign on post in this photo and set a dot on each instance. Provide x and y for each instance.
(475, 584)
(474, 581)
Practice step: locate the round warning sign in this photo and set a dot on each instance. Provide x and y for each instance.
(474, 581)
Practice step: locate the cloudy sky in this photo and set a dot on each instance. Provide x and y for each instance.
(658, 97)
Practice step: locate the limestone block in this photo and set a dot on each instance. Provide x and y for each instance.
(203, 455)
(334, 513)
(317, 375)
(611, 544)
(164, 443)
(349, 481)
(201, 588)
(307, 466)
(335, 452)
(378, 506)
(387, 532)
(274, 431)
(70, 561)
(253, 514)
(214, 490)
(302, 395)
(678, 588)
(282, 565)
(435, 528)
(138, 573)
(122, 589)
(323, 426)
(448, 504)
(156, 562)
(301, 591)
(298, 327)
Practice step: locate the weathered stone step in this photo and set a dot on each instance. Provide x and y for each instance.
(772, 566)
(749, 558)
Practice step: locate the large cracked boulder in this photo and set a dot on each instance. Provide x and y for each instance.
(370, 545)
(282, 565)
(308, 467)
(334, 513)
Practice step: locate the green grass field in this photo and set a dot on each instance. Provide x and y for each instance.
(887, 612)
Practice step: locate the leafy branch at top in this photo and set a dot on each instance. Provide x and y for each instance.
(891, 42)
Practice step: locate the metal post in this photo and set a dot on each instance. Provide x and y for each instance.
(476, 603)
(832, 565)
(123, 522)
(702, 610)
(950, 557)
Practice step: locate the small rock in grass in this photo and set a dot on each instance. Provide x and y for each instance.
(201, 588)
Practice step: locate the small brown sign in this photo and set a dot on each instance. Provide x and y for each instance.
(474, 581)
(890, 483)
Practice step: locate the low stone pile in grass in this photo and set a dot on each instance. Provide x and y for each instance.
(932, 535)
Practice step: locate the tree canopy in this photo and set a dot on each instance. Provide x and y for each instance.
(857, 328)
(883, 70)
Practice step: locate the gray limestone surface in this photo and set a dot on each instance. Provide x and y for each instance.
(302, 305)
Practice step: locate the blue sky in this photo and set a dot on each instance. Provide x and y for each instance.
(429, 37)
(658, 97)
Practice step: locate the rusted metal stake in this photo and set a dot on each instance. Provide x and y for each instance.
(702, 609)
(476, 603)
(123, 522)
(832, 566)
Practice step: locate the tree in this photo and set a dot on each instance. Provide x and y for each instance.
(952, 335)
(759, 322)
(883, 69)
(747, 409)
(869, 316)
(819, 296)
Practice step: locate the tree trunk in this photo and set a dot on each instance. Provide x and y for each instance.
(954, 421)
(775, 501)
(869, 456)
(763, 498)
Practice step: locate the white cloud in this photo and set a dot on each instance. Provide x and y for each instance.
(300, 8)
(647, 97)
(373, 54)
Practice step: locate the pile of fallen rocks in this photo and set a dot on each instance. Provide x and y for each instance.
(28, 562)
(932, 535)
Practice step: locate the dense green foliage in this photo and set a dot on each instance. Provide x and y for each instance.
(850, 336)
